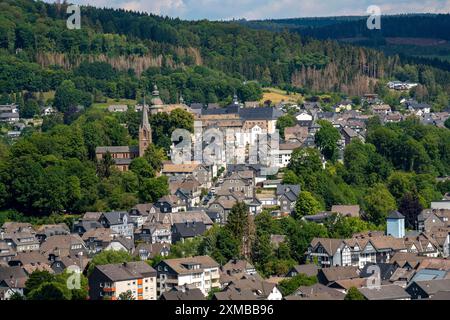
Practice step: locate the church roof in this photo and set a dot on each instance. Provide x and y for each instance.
(117, 149)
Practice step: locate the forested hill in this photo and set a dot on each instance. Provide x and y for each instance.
(118, 53)
(418, 38)
(408, 25)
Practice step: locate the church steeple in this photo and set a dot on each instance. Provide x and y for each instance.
(145, 132)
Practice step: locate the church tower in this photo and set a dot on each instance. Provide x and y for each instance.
(145, 132)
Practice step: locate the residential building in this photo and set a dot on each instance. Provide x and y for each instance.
(187, 230)
(287, 196)
(155, 232)
(385, 292)
(309, 270)
(201, 272)
(111, 280)
(329, 252)
(170, 203)
(119, 222)
(427, 289)
(147, 251)
(12, 280)
(328, 276)
(261, 289)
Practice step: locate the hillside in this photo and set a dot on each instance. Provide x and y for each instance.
(411, 35)
(120, 54)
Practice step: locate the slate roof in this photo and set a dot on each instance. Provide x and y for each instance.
(179, 265)
(309, 269)
(253, 284)
(434, 286)
(11, 227)
(117, 149)
(402, 274)
(190, 216)
(153, 249)
(403, 258)
(127, 271)
(183, 293)
(100, 234)
(291, 191)
(115, 217)
(92, 216)
(329, 244)
(386, 270)
(386, 292)
(189, 229)
(441, 295)
(395, 215)
(14, 277)
(235, 295)
(60, 243)
(316, 292)
(263, 113)
(333, 274)
(143, 208)
(434, 263)
(237, 266)
(31, 257)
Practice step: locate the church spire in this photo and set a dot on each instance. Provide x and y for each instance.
(145, 131)
(145, 123)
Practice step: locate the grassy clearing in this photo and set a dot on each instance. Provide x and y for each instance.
(277, 95)
(105, 105)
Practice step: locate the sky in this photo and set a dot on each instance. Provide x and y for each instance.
(268, 9)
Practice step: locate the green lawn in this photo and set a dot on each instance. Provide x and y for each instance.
(105, 105)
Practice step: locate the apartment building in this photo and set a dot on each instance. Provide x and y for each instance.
(107, 282)
(200, 272)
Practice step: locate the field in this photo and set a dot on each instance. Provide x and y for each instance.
(105, 105)
(278, 95)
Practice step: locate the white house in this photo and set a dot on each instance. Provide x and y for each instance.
(304, 116)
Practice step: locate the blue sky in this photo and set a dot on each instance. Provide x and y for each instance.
(262, 9)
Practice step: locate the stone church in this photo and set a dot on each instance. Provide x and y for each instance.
(123, 155)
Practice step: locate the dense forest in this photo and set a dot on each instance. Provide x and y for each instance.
(131, 51)
(407, 25)
(418, 38)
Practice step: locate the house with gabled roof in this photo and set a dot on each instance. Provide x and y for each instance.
(118, 221)
(48, 230)
(262, 289)
(329, 252)
(147, 251)
(12, 280)
(432, 218)
(170, 203)
(427, 289)
(385, 292)
(317, 291)
(287, 195)
(328, 276)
